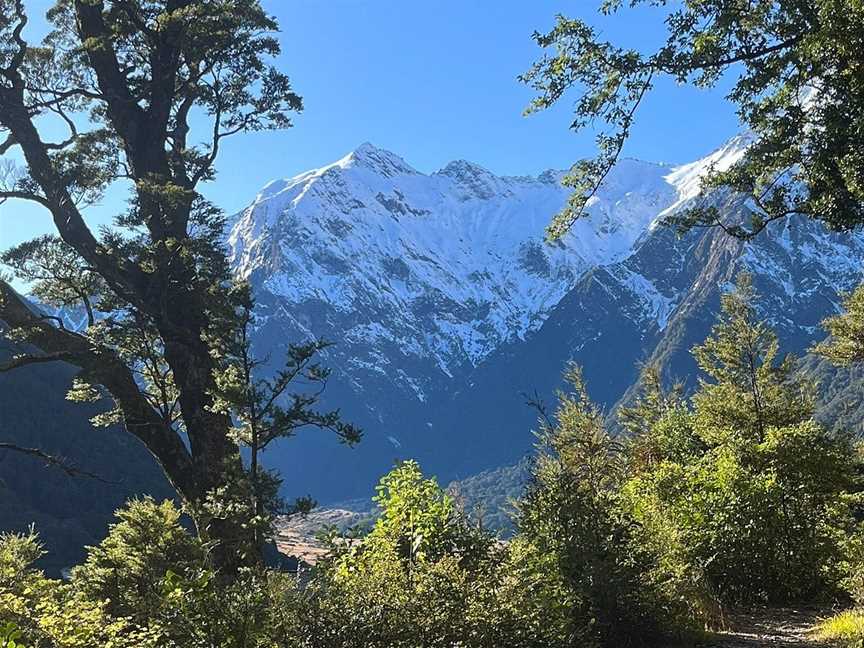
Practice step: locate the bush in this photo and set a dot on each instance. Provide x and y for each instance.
(407, 580)
(583, 535)
(36, 611)
(425, 576)
(128, 568)
(755, 525)
(741, 490)
(200, 610)
(146, 585)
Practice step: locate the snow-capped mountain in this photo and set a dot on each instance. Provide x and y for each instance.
(446, 302)
(448, 266)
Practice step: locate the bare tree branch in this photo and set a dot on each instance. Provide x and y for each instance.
(536, 403)
(52, 460)
(27, 359)
(23, 195)
(8, 143)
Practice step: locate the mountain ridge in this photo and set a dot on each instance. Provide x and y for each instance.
(448, 304)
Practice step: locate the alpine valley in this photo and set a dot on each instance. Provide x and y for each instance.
(447, 308)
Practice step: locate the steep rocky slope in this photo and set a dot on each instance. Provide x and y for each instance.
(447, 304)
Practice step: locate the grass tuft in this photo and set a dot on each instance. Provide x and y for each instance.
(845, 629)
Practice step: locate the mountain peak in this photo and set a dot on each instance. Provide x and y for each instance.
(458, 169)
(477, 181)
(382, 161)
(687, 178)
(367, 148)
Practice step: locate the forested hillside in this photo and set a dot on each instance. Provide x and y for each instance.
(70, 511)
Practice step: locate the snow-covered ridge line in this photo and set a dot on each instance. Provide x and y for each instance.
(452, 264)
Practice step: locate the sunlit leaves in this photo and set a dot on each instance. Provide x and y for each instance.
(797, 87)
(743, 495)
(55, 272)
(748, 388)
(845, 344)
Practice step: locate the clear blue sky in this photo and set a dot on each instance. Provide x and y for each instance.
(433, 81)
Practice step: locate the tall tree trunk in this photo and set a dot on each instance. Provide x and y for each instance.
(141, 67)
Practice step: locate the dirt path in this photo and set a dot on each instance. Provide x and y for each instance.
(770, 628)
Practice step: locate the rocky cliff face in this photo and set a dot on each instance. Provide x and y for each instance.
(444, 267)
(447, 304)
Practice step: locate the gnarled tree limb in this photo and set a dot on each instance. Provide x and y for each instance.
(27, 359)
(110, 371)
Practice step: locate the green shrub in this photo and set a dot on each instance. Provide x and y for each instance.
(741, 492)
(37, 612)
(147, 585)
(127, 569)
(576, 519)
(253, 609)
(425, 576)
(9, 636)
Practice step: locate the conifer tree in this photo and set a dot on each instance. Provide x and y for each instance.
(653, 410)
(845, 344)
(652, 402)
(745, 495)
(265, 409)
(748, 389)
(571, 514)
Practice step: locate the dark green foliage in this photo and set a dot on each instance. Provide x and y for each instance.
(38, 612)
(572, 512)
(412, 578)
(9, 636)
(422, 577)
(746, 390)
(740, 489)
(651, 405)
(55, 273)
(148, 585)
(761, 525)
(796, 88)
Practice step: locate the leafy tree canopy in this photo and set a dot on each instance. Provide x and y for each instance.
(147, 91)
(796, 66)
